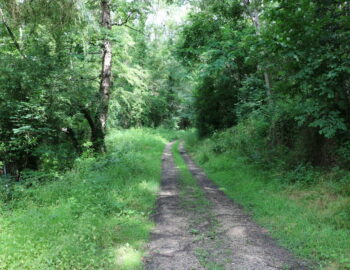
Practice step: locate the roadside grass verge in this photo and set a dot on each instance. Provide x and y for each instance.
(95, 216)
(311, 220)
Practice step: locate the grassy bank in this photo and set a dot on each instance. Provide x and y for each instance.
(95, 216)
(309, 217)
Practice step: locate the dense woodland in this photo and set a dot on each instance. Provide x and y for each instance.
(275, 69)
(268, 78)
(56, 99)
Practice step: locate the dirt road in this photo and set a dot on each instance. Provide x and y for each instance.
(199, 227)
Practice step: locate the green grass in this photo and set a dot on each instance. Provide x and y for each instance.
(96, 216)
(300, 217)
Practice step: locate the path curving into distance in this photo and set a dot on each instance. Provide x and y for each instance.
(218, 236)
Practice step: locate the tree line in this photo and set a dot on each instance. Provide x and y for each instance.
(278, 71)
(70, 67)
(274, 71)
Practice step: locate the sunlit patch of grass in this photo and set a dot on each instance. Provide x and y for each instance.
(128, 258)
(148, 186)
(90, 215)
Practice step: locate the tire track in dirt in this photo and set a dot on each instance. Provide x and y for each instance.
(171, 246)
(199, 227)
(251, 246)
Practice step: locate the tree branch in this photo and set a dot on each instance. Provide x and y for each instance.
(81, 78)
(124, 22)
(18, 47)
(137, 30)
(89, 118)
(127, 18)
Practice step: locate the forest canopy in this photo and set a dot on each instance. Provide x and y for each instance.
(73, 69)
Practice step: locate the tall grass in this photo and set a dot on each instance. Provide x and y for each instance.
(96, 216)
(310, 215)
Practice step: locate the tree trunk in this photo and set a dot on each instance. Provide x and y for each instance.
(254, 16)
(97, 135)
(98, 122)
(106, 73)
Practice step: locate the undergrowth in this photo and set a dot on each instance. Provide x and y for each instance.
(306, 209)
(95, 216)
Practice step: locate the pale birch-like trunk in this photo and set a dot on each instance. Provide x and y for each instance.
(254, 16)
(98, 124)
(106, 72)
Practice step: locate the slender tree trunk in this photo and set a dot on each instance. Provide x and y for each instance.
(106, 74)
(11, 34)
(98, 122)
(254, 16)
(268, 86)
(97, 136)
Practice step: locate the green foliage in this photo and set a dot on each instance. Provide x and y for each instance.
(216, 53)
(152, 85)
(265, 62)
(95, 216)
(38, 87)
(312, 60)
(49, 82)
